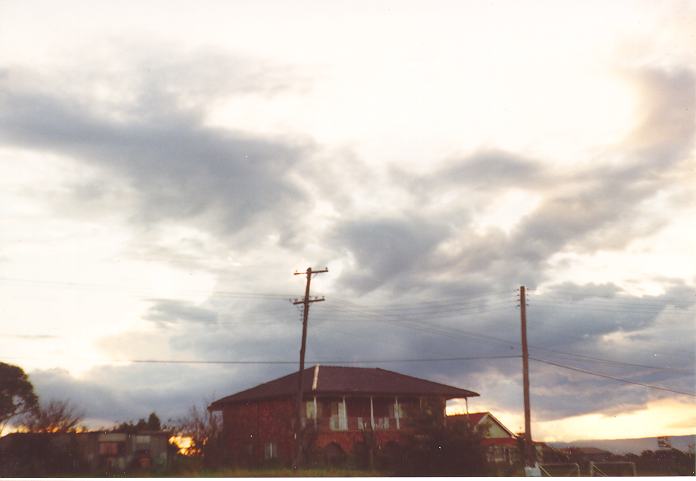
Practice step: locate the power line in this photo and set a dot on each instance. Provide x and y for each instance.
(315, 361)
(145, 290)
(444, 312)
(648, 310)
(468, 302)
(582, 357)
(448, 331)
(614, 378)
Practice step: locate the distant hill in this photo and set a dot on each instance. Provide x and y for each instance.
(636, 446)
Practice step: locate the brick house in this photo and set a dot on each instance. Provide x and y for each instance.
(342, 406)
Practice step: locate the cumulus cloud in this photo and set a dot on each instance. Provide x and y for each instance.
(175, 167)
(596, 206)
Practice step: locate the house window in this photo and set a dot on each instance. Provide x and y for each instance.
(109, 449)
(142, 442)
(271, 451)
(339, 420)
(310, 410)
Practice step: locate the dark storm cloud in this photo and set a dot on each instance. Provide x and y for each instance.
(564, 330)
(387, 248)
(120, 393)
(176, 167)
(567, 325)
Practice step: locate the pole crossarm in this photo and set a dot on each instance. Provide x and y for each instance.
(310, 271)
(302, 301)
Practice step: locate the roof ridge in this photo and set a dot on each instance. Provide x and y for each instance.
(315, 381)
(345, 379)
(419, 378)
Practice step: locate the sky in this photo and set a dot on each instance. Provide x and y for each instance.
(167, 167)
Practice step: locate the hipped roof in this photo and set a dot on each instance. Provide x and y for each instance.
(340, 380)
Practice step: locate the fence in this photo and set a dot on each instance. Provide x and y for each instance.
(559, 469)
(612, 468)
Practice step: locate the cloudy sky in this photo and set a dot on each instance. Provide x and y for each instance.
(167, 166)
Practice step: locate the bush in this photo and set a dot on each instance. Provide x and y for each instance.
(437, 450)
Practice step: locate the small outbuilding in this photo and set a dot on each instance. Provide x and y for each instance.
(500, 443)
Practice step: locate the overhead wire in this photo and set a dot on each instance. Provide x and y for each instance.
(614, 378)
(294, 362)
(401, 314)
(314, 361)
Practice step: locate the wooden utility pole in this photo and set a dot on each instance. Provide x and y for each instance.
(299, 428)
(529, 453)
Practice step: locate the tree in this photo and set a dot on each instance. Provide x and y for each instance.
(153, 422)
(438, 450)
(56, 416)
(204, 429)
(16, 393)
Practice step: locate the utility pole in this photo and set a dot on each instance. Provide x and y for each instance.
(306, 301)
(529, 453)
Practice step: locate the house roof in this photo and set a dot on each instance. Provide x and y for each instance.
(473, 418)
(328, 380)
(499, 442)
(478, 418)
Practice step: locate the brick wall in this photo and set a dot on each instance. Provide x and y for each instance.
(250, 427)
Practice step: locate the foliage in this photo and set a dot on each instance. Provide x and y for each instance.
(663, 462)
(56, 416)
(672, 462)
(153, 423)
(40, 454)
(16, 393)
(205, 430)
(438, 450)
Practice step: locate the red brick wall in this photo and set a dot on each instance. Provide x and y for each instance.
(248, 427)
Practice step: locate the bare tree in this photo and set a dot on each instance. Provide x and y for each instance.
(204, 428)
(56, 416)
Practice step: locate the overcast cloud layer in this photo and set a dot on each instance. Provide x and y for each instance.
(421, 264)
